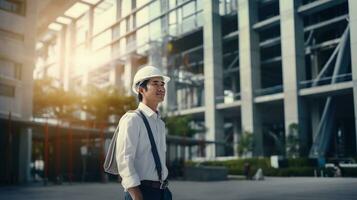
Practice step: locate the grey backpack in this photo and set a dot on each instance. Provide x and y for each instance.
(110, 163)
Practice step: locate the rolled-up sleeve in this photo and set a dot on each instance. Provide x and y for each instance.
(126, 147)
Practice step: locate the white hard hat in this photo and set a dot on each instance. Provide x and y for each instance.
(145, 73)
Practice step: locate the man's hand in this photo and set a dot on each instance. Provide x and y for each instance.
(135, 193)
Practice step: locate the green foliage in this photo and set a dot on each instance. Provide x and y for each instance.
(179, 126)
(349, 172)
(299, 162)
(236, 166)
(103, 102)
(52, 101)
(292, 141)
(290, 171)
(261, 162)
(245, 143)
(296, 167)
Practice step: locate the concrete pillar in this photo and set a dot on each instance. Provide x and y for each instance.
(314, 64)
(314, 105)
(212, 42)
(129, 74)
(61, 39)
(170, 102)
(25, 146)
(352, 6)
(236, 131)
(190, 152)
(155, 59)
(249, 61)
(155, 56)
(315, 117)
(293, 62)
(118, 5)
(90, 27)
(115, 74)
(165, 18)
(88, 41)
(28, 59)
(70, 52)
(173, 151)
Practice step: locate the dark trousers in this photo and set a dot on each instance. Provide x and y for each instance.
(150, 193)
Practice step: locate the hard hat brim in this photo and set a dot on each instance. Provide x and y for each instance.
(134, 88)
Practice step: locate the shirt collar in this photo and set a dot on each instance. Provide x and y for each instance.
(148, 111)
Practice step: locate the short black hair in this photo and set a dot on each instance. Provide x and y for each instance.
(143, 85)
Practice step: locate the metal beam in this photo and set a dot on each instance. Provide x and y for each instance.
(271, 60)
(265, 24)
(231, 36)
(50, 12)
(233, 63)
(317, 6)
(269, 98)
(339, 52)
(326, 44)
(327, 90)
(270, 42)
(230, 71)
(189, 111)
(326, 23)
(235, 104)
(200, 47)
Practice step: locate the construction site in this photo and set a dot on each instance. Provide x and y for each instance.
(279, 70)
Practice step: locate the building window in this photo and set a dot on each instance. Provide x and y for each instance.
(18, 69)
(11, 35)
(188, 23)
(155, 9)
(155, 30)
(14, 6)
(142, 36)
(142, 16)
(104, 15)
(227, 7)
(199, 5)
(129, 23)
(188, 9)
(115, 49)
(7, 90)
(126, 7)
(10, 68)
(172, 4)
(102, 40)
(140, 3)
(122, 28)
(131, 43)
(82, 26)
(116, 31)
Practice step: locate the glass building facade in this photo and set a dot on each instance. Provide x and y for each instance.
(258, 67)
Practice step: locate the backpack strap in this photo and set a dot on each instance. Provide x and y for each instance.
(153, 145)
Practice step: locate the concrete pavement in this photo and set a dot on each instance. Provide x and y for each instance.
(271, 188)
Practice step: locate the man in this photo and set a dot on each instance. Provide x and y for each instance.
(135, 160)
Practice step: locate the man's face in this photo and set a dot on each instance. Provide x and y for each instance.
(155, 90)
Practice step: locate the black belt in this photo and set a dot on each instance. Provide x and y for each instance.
(155, 184)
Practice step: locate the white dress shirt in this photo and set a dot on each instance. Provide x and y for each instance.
(133, 150)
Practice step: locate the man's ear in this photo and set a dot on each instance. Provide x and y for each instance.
(141, 90)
